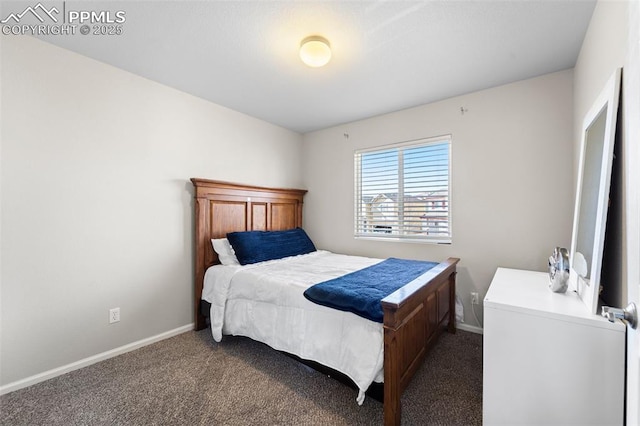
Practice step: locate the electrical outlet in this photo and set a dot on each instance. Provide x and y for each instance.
(114, 315)
(474, 298)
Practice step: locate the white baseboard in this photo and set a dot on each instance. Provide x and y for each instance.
(128, 348)
(471, 328)
(92, 360)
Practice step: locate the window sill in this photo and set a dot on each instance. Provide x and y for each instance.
(405, 240)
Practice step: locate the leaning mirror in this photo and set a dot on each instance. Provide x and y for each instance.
(592, 195)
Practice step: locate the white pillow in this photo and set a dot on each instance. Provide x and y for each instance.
(226, 255)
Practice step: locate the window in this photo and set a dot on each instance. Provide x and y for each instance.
(402, 191)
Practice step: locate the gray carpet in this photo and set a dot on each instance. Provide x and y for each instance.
(190, 380)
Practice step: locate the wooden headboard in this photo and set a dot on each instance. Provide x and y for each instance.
(223, 207)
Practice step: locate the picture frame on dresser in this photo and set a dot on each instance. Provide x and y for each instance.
(592, 194)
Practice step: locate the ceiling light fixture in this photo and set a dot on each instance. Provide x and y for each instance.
(315, 51)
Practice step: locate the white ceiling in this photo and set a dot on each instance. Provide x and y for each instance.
(387, 55)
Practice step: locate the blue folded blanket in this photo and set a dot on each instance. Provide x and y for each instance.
(361, 291)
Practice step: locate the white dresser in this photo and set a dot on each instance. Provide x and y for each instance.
(546, 360)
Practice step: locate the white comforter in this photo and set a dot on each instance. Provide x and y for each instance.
(264, 301)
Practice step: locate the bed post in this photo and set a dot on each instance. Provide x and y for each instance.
(392, 391)
(452, 303)
(200, 239)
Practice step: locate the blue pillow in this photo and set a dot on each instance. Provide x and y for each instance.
(259, 246)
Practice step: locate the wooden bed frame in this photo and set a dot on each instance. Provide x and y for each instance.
(414, 316)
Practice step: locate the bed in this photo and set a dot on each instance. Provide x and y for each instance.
(413, 316)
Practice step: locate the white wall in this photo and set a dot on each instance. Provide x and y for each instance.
(97, 205)
(604, 49)
(631, 112)
(612, 41)
(512, 187)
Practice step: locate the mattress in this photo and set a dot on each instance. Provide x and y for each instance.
(265, 302)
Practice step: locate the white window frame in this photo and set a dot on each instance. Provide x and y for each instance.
(401, 234)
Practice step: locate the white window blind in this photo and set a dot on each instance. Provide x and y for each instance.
(402, 191)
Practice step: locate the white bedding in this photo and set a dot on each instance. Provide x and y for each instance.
(264, 301)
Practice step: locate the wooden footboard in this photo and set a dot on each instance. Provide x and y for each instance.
(414, 317)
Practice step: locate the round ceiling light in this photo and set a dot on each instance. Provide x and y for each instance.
(315, 51)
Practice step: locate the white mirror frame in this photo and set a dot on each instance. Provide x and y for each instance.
(608, 98)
